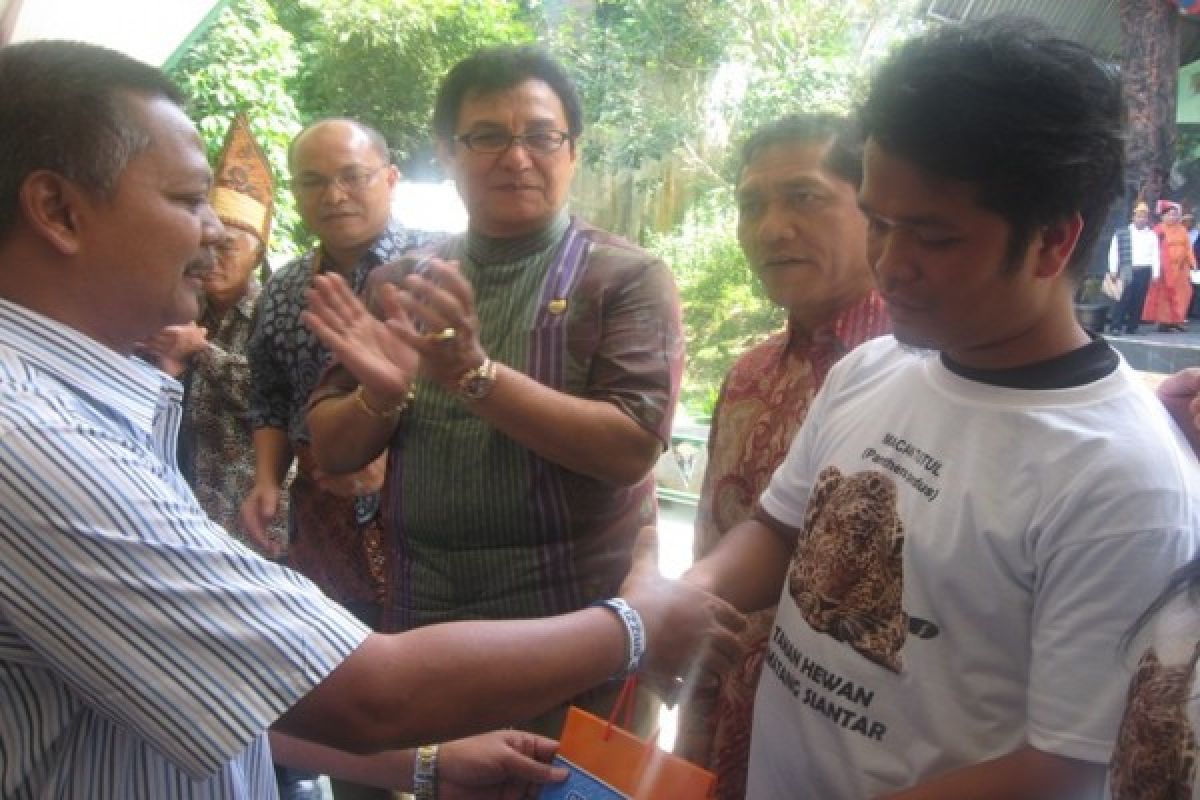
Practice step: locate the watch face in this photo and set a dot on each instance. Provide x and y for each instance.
(476, 387)
(476, 384)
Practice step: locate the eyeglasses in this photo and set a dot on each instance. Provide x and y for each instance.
(350, 180)
(541, 142)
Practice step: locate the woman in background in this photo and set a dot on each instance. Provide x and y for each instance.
(1169, 295)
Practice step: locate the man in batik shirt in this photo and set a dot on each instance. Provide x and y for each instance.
(342, 177)
(802, 232)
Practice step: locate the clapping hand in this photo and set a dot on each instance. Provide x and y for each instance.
(377, 352)
(441, 301)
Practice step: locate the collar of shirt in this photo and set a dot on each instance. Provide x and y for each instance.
(245, 305)
(391, 244)
(864, 319)
(131, 387)
(487, 250)
(244, 308)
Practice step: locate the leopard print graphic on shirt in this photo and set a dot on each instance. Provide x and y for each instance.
(846, 574)
(1155, 754)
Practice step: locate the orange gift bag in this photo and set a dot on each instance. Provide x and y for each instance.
(608, 763)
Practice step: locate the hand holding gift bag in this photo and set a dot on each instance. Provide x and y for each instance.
(608, 763)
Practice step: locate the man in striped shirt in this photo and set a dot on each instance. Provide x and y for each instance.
(143, 652)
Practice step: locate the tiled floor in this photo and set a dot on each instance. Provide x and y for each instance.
(1160, 352)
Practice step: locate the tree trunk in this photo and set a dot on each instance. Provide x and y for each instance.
(1149, 72)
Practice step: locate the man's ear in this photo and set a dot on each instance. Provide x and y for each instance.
(51, 206)
(393, 176)
(1057, 245)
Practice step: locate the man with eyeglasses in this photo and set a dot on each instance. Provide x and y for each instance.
(342, 179)
(550, 357)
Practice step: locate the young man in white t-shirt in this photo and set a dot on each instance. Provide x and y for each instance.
(971, 516)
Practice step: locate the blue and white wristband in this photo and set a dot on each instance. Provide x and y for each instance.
(635, 633)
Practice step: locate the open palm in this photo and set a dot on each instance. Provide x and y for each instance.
(371, 349)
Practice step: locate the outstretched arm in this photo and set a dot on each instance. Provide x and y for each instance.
(748, 566)
(444, 681)
(475, 767)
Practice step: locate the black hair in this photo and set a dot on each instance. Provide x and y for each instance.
(495, 68)
(1032, 119)
(843, 135)
(377, 140)
(64, 107)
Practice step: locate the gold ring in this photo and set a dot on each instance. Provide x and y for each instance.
(444, 335)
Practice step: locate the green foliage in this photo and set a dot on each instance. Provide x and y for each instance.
(243, 64)
(778, 57)
(645, 69)
(724, 309)
(380, 61)
(680, 78)
(799, 55)
(641, 67)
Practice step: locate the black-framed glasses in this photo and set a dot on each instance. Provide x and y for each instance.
(541, 142)
(349, 180)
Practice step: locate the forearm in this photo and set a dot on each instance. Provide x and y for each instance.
(445, 681)
(1026, 774)
(272, 456)
(747, 568)
(591, 437)
(346, 436)
(390, 769)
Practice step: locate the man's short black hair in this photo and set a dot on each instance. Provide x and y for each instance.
(842, 133)
(62, 109)
(495, 68)
(1032, 119)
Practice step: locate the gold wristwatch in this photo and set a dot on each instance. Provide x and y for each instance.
(476, 384)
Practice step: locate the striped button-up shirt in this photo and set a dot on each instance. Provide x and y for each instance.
(143, 652)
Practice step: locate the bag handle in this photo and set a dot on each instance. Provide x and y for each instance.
(626, 705)
(626, 702)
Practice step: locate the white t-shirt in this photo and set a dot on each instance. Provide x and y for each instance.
(971, 558)
(1156, 753)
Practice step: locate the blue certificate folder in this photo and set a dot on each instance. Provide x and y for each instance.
(579, 785)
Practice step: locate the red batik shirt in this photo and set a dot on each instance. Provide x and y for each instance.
(765, 397)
